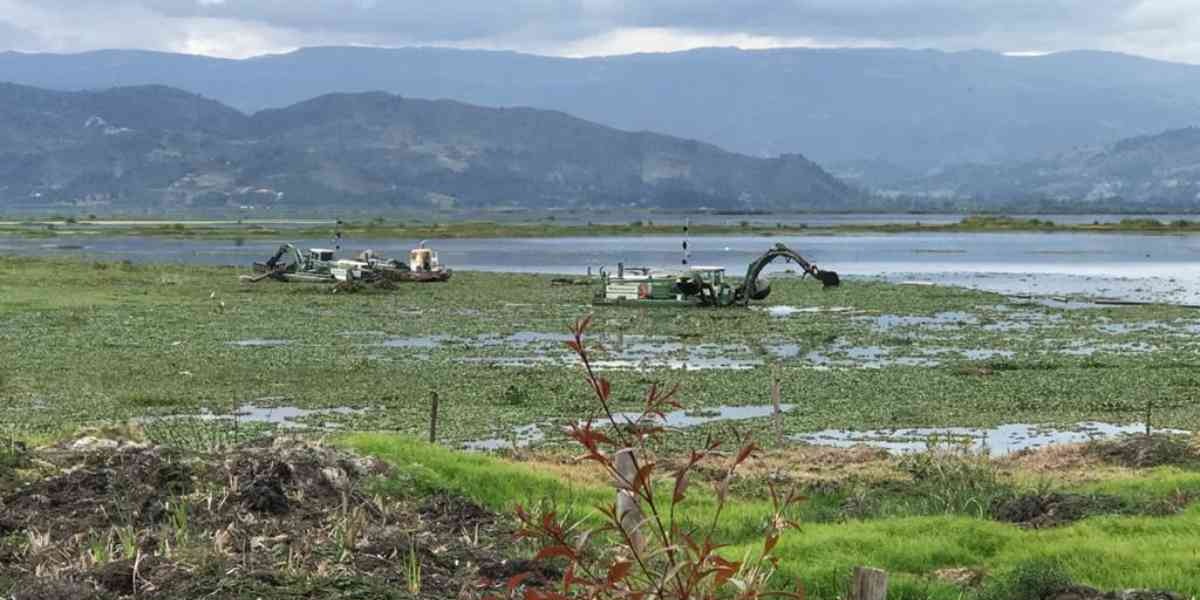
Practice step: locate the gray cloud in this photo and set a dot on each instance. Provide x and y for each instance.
(1159, 28)
(17, 38)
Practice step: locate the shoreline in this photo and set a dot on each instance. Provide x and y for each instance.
(301, 228)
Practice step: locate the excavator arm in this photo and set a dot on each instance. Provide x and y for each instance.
(750, 288)
(283, 250)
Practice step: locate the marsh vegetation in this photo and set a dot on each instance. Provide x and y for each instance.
(202, 369)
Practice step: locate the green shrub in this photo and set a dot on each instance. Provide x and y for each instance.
(1034, 579)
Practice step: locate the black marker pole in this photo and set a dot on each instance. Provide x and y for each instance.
(686, 224)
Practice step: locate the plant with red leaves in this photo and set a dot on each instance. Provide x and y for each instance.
(639, 551)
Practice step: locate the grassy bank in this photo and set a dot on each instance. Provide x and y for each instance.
(1106, 552)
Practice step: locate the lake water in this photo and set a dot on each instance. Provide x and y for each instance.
(1127, 266)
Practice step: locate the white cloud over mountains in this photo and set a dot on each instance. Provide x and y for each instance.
(1163, 29)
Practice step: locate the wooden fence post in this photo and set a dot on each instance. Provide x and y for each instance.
(433, 416)
(629, 507)
(777, 402)
(869, 584)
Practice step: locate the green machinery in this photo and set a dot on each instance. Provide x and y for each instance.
(319, 265)
(705, 286)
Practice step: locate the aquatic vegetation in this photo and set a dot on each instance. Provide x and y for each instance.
(116, 343)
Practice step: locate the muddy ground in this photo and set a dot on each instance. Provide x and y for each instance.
(96, 519)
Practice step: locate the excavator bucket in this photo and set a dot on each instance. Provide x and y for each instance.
(828, 278)
(754, 288)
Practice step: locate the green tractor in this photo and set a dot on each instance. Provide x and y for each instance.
(703, 286)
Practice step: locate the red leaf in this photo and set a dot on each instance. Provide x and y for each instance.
(722, 488)
(722, 562)
(745, 453)
(568, 579)
(618, 571)
(552, 551)
(681, 483)
(652, 394)
(575, 346)
(723, 575)
(769, 544)
(516, 580)
(643, 477)
(605, 388)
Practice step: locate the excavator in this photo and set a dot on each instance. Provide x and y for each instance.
(704, 286)
(319, 265)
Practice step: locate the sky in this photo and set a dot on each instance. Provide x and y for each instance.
(1163, 29)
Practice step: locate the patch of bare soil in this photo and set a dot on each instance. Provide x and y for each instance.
(1080, 592)
(284, 519)
(1062, 460)
(961, 576)
(817, 465)
(1039, 511)
(1143, 451)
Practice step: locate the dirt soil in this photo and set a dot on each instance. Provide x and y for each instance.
(1143, 451)
(282, 519)
(1080, 592)
(1039, 511)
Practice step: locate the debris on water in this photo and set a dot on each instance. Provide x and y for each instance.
(684, 418)
(521, 437)
(1060, 302)
(259, 343)
(691, 363)
(783, 311)
(1000, 440)
(1088, 348)
(942, 320)
(518, 339)
(521, 338)
(282, 416)
(527, 435)
(843, 355)
(426, 341)
(688, 364)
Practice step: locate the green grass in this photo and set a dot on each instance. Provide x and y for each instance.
(1106, 552)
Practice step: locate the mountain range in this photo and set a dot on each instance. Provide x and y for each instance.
(866, 113)
(162, 148)
(1151, 172)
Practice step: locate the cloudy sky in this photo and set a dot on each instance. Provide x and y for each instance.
(1166, 29)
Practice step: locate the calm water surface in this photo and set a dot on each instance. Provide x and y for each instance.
(1130, 266)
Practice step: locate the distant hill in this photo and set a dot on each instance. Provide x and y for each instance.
(1160, 172)
(163, 148)
(880, 108)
